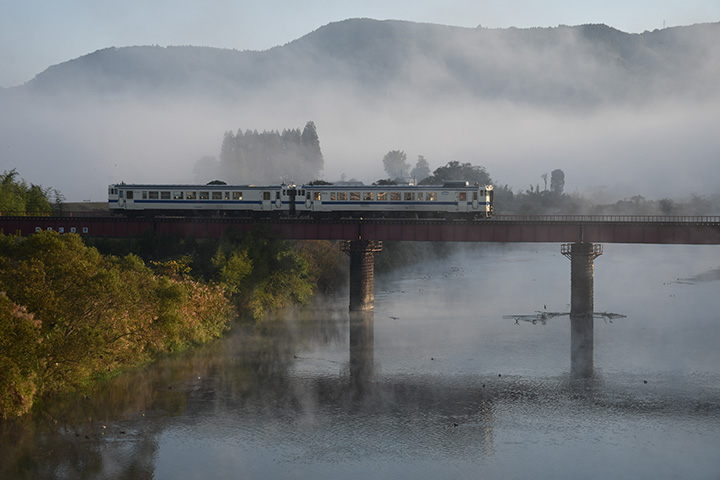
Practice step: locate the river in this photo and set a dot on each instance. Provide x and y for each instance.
(435, 384)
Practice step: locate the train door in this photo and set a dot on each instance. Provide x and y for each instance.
(120, 198)
(462, 205)
(129, 199)
(317, 201)
(266, 201)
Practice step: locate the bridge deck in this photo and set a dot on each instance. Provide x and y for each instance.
(542, 228)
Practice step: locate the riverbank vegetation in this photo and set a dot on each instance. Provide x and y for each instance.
(70, 314)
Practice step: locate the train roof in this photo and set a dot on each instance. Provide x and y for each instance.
(396, 187)
(183, 186)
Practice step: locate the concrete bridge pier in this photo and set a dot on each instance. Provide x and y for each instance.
(582, 256)
(362, 273)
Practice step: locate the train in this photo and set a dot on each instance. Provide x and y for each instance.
(452, 200)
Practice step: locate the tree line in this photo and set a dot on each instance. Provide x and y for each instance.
(290, 156)
(17, 196)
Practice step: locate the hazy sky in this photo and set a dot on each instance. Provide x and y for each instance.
(35, 34)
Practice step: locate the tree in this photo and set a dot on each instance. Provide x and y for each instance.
(395, 164)
(421, 169)
(270, 156)
(312, 155)
(17, 196)
(557, 181)
(385, 181)
(455, 171)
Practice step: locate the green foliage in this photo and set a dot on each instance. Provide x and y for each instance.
(233, 268)
(421, 169)
(327, 265)
(19, 342)
(263, 273)
(272, 156)
(385, 181)
(176, 268)
(396, 166)
(17, 197)
(455, 171)
(74, 314)
(557, 181)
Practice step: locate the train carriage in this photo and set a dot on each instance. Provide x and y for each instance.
(148, 199)
(456, 199)
(448, 201)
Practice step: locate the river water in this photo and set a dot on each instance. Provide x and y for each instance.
(434, 384)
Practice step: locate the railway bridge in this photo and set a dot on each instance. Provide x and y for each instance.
(581, 237)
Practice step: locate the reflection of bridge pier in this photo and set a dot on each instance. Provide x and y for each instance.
(582, 256)
(362, 273)
(362, 349)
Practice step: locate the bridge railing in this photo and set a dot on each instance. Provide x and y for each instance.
(696, 219)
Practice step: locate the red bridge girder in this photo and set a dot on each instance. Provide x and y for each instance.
(659, 230)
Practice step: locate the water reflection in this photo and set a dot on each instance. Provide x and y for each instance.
(582, 346)
(362, 351)
(426, 387)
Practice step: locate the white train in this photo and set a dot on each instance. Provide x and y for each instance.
(451, 200)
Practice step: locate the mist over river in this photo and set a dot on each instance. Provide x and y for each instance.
(434, 384)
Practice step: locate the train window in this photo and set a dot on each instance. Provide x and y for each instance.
(177, 195)
(129, 194)
(191, 195)
(317, 196)
(165, 195)
(431, 196)
(475, 196)
(332, 196)
(355, 196)
(409, 196)
(395, 196)
(462, 196)
(153, 195)
(382, 196)
(342, 196)
(144, 195)
(204, 195)
(368, 196)
(277, 195)
(237, 195)
(266, 195)
(217, 195)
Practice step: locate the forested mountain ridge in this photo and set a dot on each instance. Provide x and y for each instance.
(585, 64)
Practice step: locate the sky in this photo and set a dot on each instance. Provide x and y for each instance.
(35, 34)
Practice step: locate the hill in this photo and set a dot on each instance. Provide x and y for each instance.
(582, 65)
